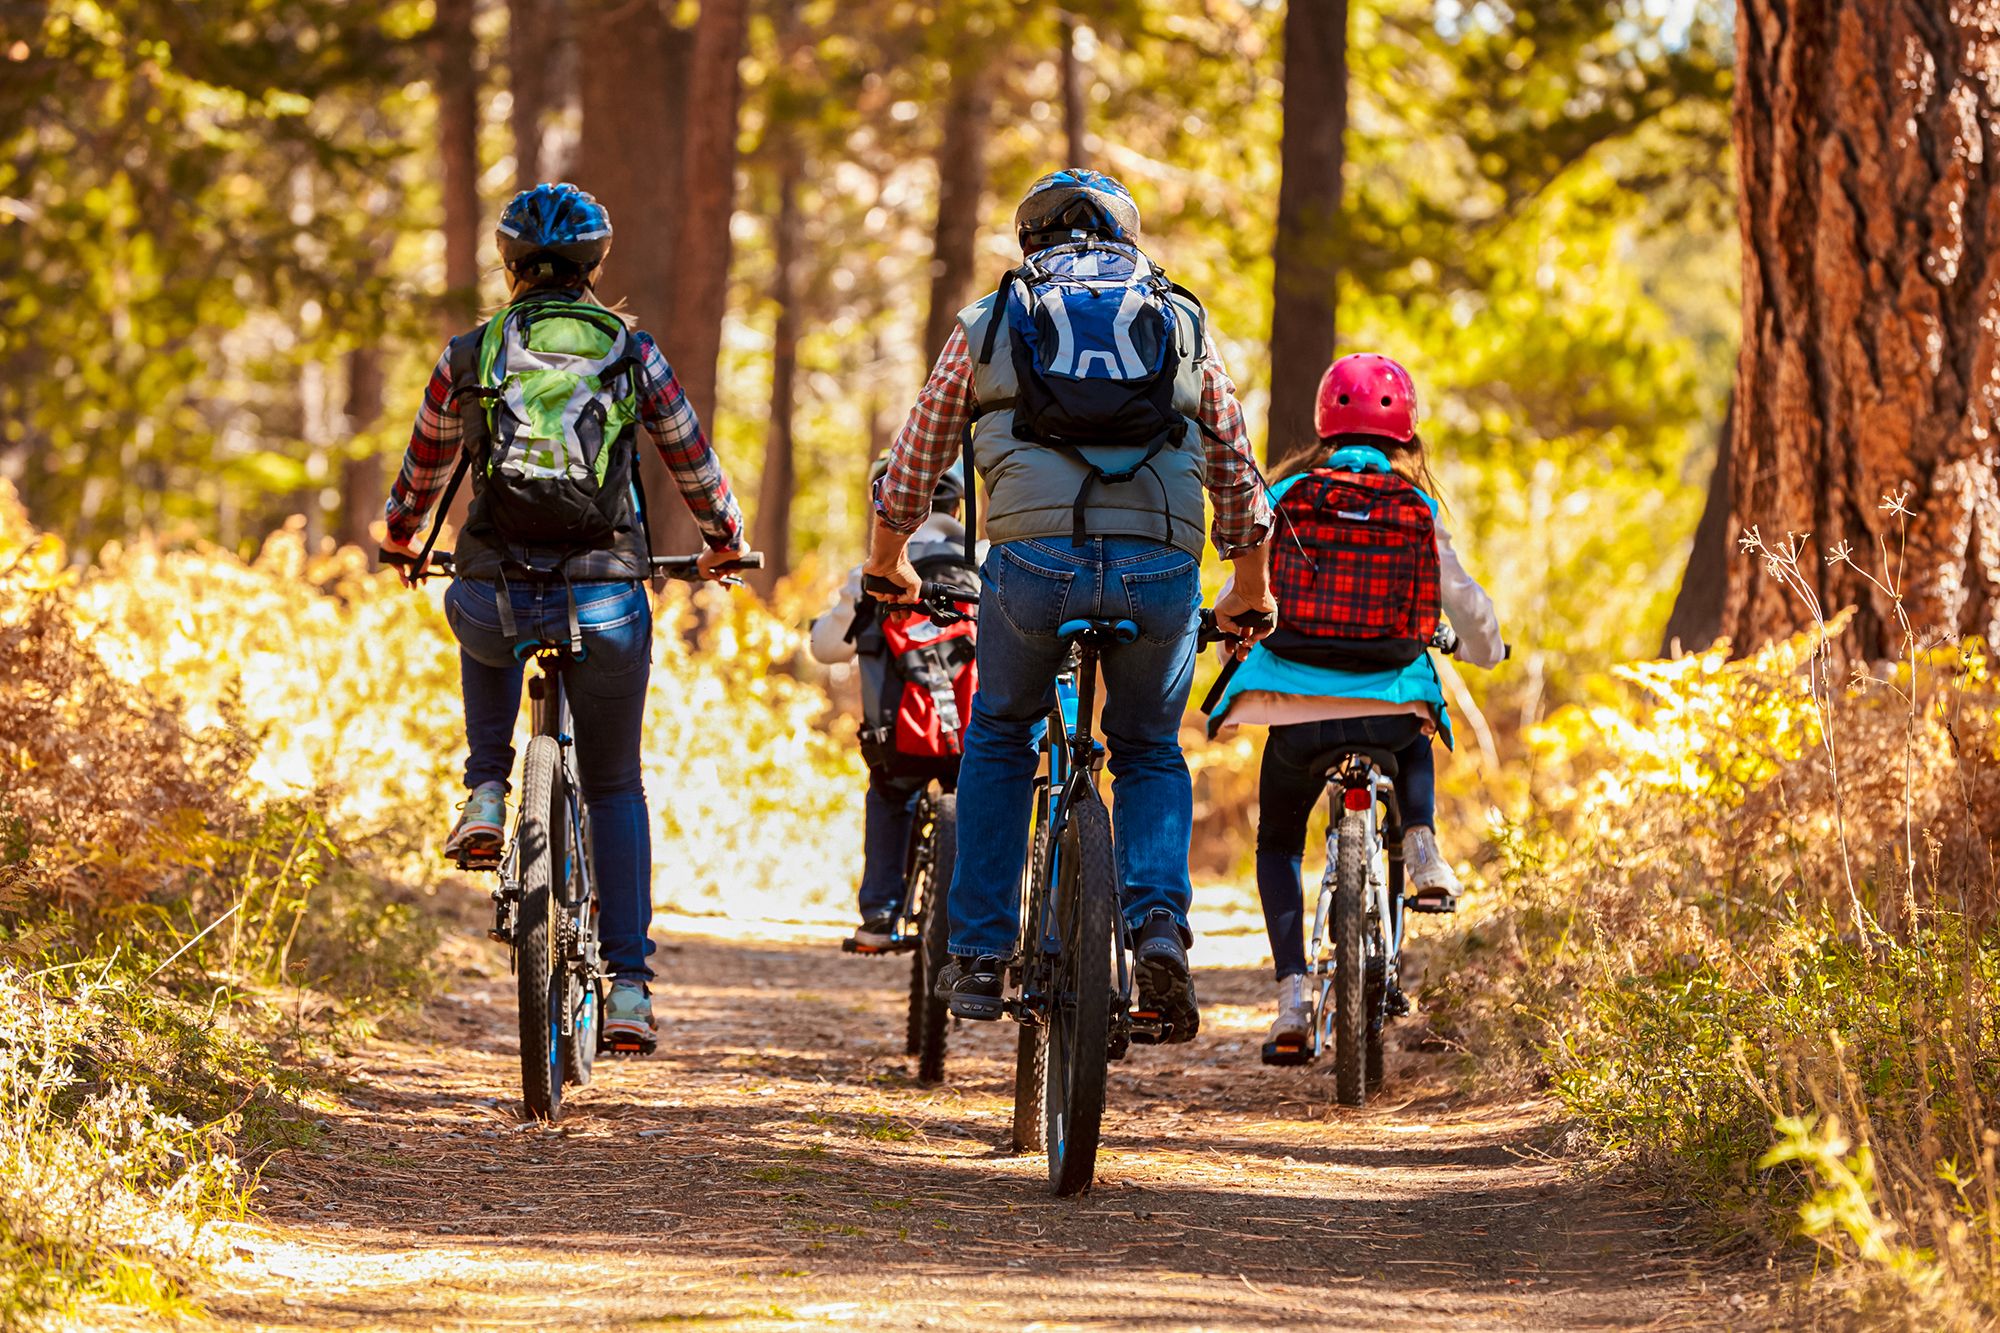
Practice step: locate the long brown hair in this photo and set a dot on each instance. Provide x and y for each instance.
(1406, 458)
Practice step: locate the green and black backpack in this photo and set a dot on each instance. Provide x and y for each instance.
(557, 384)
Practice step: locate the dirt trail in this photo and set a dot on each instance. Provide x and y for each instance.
(775, 1164)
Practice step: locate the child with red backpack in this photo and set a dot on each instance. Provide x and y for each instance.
(917, 681)
(1361, 566)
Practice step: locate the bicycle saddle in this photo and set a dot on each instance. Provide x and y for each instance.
(1098, 633)
(1327, 761)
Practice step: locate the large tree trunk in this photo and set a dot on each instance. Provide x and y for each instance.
(530, 52)
(634, 99)
(774, 491)
(1696, 620)
(363, 480)
(1306, 269)
(1870, 365)
(452, 53)
(961, 161)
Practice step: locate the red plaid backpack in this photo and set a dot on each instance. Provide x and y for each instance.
(1355, 571)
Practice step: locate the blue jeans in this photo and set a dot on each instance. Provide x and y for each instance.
(1289, 785)
(607, 700)
(1031, 587)
(889, 810)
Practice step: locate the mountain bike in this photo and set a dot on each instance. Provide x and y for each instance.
(1352, 990)
(923, 925)
(1070, 981)
(545, 906)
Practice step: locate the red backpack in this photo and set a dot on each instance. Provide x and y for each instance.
(917, 722)
(1354, 571)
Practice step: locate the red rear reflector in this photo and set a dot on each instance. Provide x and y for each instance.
(1357, 798)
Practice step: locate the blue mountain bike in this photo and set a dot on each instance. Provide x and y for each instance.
(1071, 979)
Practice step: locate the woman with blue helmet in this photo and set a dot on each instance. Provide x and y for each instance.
(585, 584)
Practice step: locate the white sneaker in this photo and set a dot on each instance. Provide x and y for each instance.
(1293, 1018)
(1425, 866)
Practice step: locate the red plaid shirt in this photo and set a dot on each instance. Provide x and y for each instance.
(935, 432)
(663, 409)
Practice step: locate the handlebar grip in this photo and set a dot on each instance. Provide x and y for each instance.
(880, 586)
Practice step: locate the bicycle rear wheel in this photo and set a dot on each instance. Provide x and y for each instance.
(1079, 1003)
(1031, 1049)
(539, 835)
(930, 1017)
(1350, 1009)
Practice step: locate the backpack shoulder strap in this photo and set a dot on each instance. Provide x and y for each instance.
(999, 313)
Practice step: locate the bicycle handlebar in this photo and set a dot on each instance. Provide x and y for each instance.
(687, 568)
(938, 601)
(1212, 633)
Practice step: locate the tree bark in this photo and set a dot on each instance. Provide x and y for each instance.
(1075, 77)
(961, 161)
(631, 156)
(1696, 620)
(1306, 269)
(1870, 364)
(774, 491)
(698, 298)
(530, 49)
(363, 480)
(452, 53)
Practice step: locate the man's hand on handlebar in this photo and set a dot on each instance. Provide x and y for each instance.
(1245, 619)
(899, 578)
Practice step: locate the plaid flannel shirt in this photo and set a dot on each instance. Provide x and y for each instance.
(663, 409)
(935, 432)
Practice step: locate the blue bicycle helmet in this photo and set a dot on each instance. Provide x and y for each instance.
(1072, 201)
(554, 221)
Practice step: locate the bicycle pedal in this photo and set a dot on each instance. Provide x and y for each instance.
(478, 864)
(1149, 1029)
(1430, 906)
(625, 1045)
(1287, 1053)
(499, 936)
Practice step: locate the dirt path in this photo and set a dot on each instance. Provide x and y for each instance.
(776, 1165)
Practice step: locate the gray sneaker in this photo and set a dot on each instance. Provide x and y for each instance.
(629, 1028)
(481, 829)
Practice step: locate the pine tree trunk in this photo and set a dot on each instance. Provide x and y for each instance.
(452, 53)
(1306, 255)
(363, 480)
(774, 491)
(530, 49)
(1696, 620)
(1870, 364)
(698, 297)
(1075, 78)
(968, 123)
(634, 99)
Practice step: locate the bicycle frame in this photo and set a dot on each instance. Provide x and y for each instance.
(1073, 755)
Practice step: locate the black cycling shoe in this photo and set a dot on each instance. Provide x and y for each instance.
(875, 933)
(1166, 988)
(972, 987)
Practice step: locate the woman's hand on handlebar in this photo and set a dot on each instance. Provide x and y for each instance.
(716, 565)
(402, 555)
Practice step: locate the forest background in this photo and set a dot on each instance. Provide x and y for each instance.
(1736, 908)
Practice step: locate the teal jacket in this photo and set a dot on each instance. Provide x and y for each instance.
(1416, 683)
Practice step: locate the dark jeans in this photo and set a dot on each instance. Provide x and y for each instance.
(1030, 589)
(885, 838)
(607, 700)
(1289, 785)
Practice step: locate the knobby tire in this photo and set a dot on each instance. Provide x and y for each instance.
(1350, 979)
(538, 838)
(930, 1016)
(1080, 1010)
(1031, 1050)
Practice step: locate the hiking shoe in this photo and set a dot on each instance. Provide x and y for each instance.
(1294, 1018)
(1165, 987)
(1429, 874)
(876, 931)
(972, 987)
(477, 837)
(628, 1019)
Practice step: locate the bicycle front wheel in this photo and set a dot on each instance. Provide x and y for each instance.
(929, 1015)
(539, 837)
(1348, 928)
(1079, 1003)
